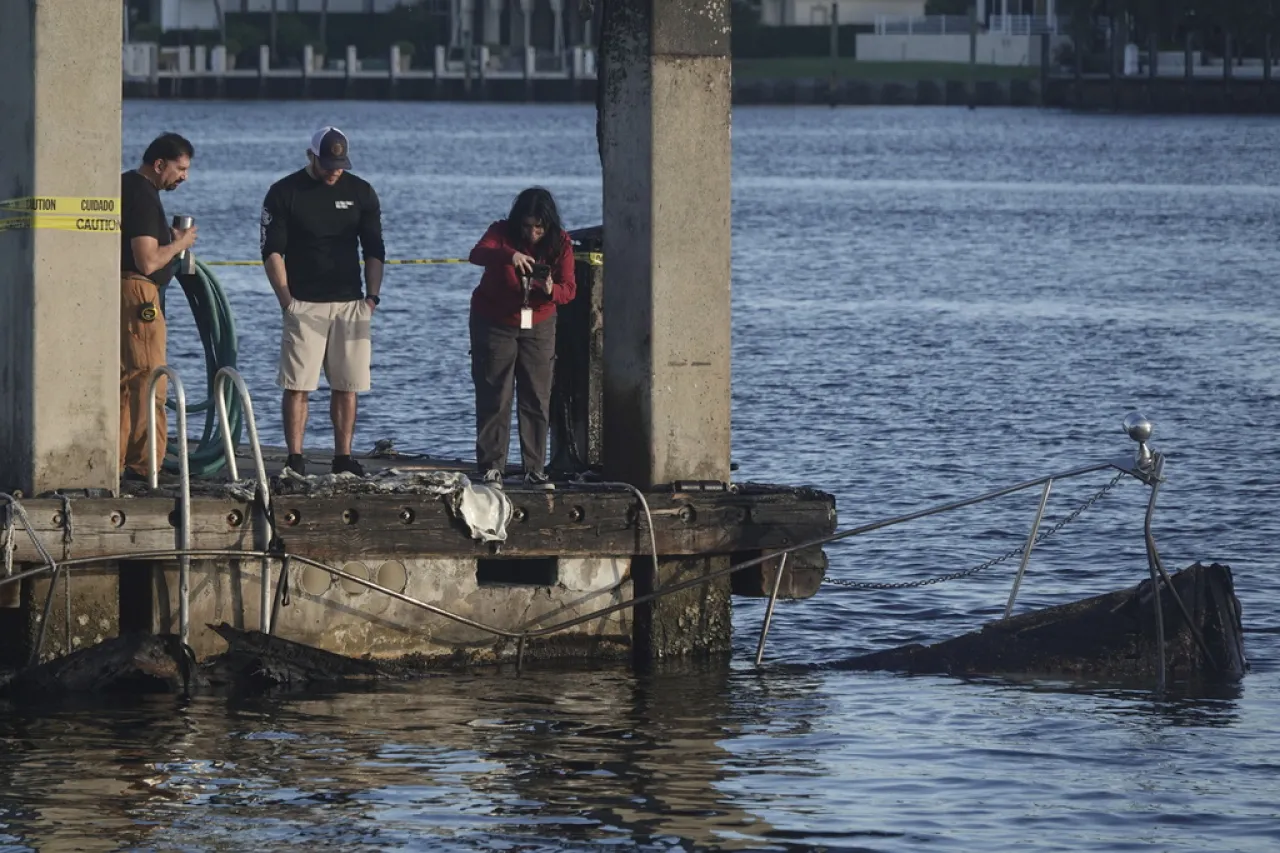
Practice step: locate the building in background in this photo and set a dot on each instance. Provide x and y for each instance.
(549, 25)
(790, 13)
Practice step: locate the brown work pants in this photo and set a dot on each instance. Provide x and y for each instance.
(142, 350)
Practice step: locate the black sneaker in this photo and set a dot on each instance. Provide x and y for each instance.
(492, 478)
(296, 464)
(347, 465)
(132, 476)
(538, 480)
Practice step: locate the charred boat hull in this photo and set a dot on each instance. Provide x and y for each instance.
(1110, 636)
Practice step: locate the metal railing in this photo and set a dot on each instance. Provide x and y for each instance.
(1025, 25)
(915, 25)
(942, 25)
(221, 379)
(183, 534)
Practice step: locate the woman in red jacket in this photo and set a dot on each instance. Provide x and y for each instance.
(528, 271)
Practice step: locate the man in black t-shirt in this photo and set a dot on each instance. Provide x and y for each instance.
(148, 248)
(312, 222)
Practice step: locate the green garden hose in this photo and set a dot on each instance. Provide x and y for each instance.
(217, 329)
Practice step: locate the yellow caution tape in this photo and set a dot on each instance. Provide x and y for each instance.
(88, 215)
(595, 259)
(431, 261)
(63, 205)
(60, 222)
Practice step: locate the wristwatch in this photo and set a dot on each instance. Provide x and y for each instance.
(375, 299)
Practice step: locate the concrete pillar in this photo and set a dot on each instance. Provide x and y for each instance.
(264, 68)
(526, 23)
(468, 14)
(60, 294)
(492, 34)
(666, 157)
(153, 70)
(557, 37)
(666, 242)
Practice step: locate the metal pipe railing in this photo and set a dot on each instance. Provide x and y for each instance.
(768, 612)
(1026, 549)
(220, 379)
(183, 535)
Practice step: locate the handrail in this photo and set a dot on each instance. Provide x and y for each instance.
(220, 379)
(183, 534)
(1026, 551)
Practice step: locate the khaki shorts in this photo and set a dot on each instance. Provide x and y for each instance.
(333, 335)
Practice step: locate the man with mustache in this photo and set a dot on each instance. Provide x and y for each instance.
(148, 252)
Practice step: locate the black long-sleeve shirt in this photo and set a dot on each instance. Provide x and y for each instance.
(315, 228)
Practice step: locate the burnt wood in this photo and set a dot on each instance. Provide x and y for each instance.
(564, 522)
(1109, 637)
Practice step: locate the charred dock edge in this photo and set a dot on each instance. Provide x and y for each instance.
(740, 521)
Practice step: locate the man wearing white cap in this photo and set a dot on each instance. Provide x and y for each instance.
(312, 221)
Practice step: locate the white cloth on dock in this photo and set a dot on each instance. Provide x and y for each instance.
(486, 510)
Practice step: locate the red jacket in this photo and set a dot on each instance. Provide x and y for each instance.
(498, 298)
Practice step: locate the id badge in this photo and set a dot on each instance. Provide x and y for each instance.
(526, 318)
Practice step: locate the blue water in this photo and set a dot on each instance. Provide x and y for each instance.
(928, 303)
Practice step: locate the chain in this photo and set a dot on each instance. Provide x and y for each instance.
(966, 573)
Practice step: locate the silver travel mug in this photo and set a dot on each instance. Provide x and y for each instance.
(186, 260)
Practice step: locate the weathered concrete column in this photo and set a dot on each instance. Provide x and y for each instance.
(557, 29)
(526, 23)
(666, 241)
(60, 292)
(493, 22)
(666, 156)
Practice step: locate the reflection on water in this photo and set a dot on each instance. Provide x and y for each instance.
(546, 758)
(695, 757)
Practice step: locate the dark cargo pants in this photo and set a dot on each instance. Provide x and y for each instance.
(506, 360)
